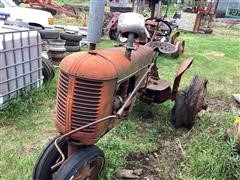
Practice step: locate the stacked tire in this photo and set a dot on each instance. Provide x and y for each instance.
(72, 43)
(49, 34)
(48, 68)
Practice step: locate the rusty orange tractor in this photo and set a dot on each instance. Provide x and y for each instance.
(96, 89)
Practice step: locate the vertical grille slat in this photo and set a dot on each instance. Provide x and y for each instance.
(62, 98)
(85, 103)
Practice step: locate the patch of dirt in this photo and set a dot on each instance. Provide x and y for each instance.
(49, 134)
(215, 105)
(161, 164)
(214, 54)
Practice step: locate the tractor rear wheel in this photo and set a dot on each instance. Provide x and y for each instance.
(86, 163)
(48, 158)
(189, 103)
(113, 34)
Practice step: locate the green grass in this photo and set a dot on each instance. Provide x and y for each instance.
(215, 57)
(27, 124)
(209, 155)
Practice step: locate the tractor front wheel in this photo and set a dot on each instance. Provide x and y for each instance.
(49, 157)
(190, 102)
(86, 163)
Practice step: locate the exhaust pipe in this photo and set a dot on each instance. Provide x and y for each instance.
(95, 22)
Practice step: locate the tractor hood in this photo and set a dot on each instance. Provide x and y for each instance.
(106, 64)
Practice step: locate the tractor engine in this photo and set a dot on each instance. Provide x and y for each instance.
(93, 85)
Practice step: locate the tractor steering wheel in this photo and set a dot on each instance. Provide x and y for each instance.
(162, 27)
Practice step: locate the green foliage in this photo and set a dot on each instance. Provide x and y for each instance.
(29, 103)
(122, 140)
(209, 155)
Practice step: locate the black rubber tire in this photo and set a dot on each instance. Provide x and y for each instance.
(78, 161)
(57, 59)
(49, 156)
(72, 48)
(189, 103)
(49, 34)
(70, 37)
(48, 70)
(72, 43)
(113, 35)
(17, 2)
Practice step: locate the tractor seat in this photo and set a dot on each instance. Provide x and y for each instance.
(158, 85)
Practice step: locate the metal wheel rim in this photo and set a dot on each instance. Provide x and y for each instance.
(90, 171)
(167, 48)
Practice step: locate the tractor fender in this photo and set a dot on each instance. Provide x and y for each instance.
(181, 70)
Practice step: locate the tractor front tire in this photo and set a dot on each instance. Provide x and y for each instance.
(49, 34)
(48, 158)
(86, 163)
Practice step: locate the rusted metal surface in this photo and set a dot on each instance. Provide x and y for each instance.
(183, 67)
(120, 111)
(158, 28)
(96, 89)
(75, 7)
(90, 170)
(110, 22)
(163, 47)
(78, 8)
(62, 137)
(189, 103)
(157, 91)
(86, 90)
(51, 5)
(91, 65)
(173, 39)
(180, 45)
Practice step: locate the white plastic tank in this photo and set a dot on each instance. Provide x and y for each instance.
(20, 62)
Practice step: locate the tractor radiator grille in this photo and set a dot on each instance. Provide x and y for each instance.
(86, 101)
(62, 98)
